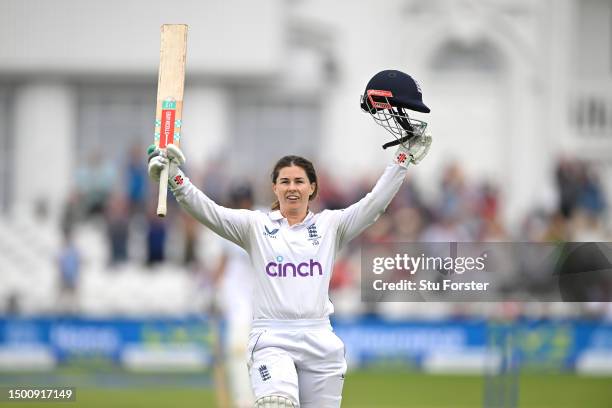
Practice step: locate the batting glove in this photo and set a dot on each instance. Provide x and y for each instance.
(417, 149)
(158, 159)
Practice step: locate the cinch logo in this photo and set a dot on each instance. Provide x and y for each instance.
(279, 269)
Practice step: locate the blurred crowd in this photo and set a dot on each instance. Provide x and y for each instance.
(121, 201)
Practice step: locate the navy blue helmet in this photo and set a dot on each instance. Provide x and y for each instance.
(387, 97)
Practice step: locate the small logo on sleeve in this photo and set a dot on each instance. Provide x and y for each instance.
(401, 158)
(179, 180)
(265, 374)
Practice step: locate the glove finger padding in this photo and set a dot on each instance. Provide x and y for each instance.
(175, 155)
(419, 147)
(156, 165)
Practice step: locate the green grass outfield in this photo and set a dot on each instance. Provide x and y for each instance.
(373, 389)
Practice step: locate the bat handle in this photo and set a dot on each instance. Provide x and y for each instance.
(163, 193)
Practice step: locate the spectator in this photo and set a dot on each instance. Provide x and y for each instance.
(156, 240)
(71, 213)
(136, 180)
(95, 181)
(568, 179)
(591, 198)
(117, 224)
(69, 264)
(234, 281)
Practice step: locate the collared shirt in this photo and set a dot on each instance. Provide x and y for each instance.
(292, 264)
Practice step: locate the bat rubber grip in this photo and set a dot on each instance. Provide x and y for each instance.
(163, 193)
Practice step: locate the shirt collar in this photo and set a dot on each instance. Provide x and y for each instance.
(277, 216)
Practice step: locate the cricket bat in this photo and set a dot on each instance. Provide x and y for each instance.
(170, 87)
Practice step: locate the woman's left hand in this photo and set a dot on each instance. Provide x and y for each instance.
(417, 149)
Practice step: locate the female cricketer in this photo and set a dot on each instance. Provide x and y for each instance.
(294, 357)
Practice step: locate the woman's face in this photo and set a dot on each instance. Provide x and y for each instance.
(292, 189)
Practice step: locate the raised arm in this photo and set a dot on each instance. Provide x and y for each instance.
(356, 218)
(228, 223)
(388, 97)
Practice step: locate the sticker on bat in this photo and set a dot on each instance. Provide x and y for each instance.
(168, 122)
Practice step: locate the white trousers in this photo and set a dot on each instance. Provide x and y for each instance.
(301, 360)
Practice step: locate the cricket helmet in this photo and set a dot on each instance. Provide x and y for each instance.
(387, 97)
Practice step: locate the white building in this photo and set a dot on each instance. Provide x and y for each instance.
(511, 84)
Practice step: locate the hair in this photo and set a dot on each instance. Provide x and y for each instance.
(298, 161)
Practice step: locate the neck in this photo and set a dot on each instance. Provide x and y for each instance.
(294, 216)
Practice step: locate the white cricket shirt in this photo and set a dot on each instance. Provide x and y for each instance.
(292, 264)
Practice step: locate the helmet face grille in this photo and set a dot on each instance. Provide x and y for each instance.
(395, 120)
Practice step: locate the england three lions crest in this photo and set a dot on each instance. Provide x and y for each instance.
(313, 235)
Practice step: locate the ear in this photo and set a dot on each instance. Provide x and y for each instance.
(274, 188)
(312, 188)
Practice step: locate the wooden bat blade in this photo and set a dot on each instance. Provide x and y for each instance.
(170, 88)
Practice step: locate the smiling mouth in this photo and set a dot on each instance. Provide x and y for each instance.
(292, 198)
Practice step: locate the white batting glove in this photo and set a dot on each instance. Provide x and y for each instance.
(156, 164)
(158, 159)
(417, 149)
(175, 155)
